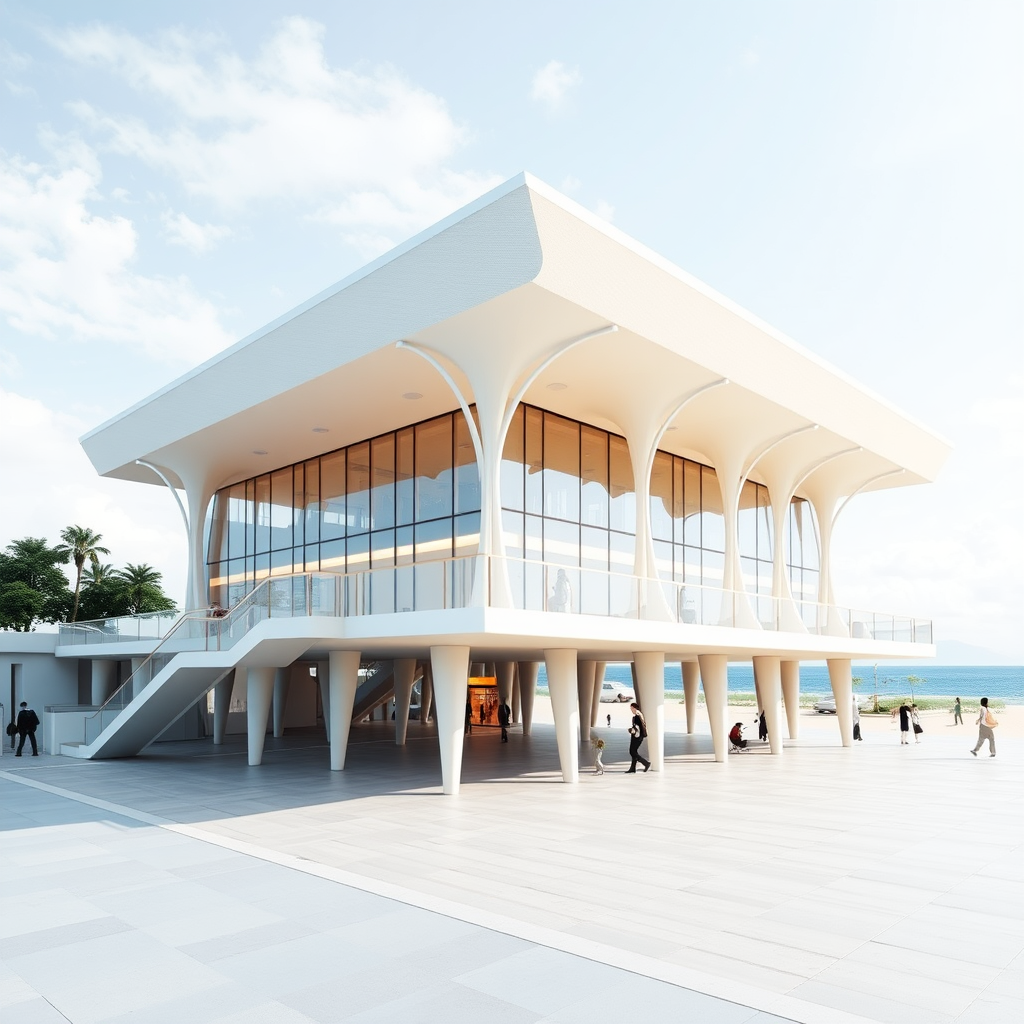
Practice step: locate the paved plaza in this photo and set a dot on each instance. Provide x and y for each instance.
(835, 885)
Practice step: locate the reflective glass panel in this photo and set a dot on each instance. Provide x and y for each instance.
(434, 469)
(281, 497)
(561, 468)
(513, 457)
(357, 502)
(262, 514)
(467, 477)
(312, 499)
(405, 478)
(594, 474)
(382, 494)
(534, 460)
(332, 496)
(623, 498)
(712, 515)
(661, 497)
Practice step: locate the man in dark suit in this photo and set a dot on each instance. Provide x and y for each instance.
(504, 716)
(28, 722)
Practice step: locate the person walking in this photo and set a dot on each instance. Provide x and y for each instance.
(856, 719)
(28, 722)
(762, 728)
(986, 723)
(468, 729)
(504, 715)
(637, 734)
(904, 713)
(958, 718)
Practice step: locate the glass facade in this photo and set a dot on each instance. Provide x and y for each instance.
(412, 496)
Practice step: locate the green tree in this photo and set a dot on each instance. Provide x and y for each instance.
(81, 545)
(32, 563)
(139, 587)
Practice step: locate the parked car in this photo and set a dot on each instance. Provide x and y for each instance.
(616, 693)
(827, 706)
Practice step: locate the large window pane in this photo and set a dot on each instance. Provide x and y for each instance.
(561, 468)
(467, 477)
(765, 527)
(561, 542)
(312, 502)
(712, 518)
(332, 496)
(217, 549)
(467, 534)
(405, 478)
(357, 553)
(238, 517)
(357, 502)
(433, 540)
(747, 520)
(593, 548)
(661, 497)
(623, 498)
(513, 458)
(534, 461)
(281, 512)
(594, 475)
(678, 501)
(382, 493)
(262, 514)
(434, 469)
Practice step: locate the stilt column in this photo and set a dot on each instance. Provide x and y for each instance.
(791, 696)
(405, 677)
(343, 680)
(450, 667)
(650, 681)
(561, 669)
(527, 673)
(595, 704)
(222, 704)
(585, 672)
(259, 695)
(841, 677)
(691, 680)
(768, 673)
(714, 677)
(282, 680)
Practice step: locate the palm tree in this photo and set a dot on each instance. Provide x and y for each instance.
(98, 572)
(81, 545)
(141, 588)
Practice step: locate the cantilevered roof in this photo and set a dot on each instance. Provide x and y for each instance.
(493, 289)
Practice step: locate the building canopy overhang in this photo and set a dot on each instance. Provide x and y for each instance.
(493, 291)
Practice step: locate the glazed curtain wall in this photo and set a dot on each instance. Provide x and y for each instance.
(413, 495)
(410, 495)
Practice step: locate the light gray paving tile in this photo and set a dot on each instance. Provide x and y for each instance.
(63, 935)
(201, 1007)
(869, 1005)
(450, 1003)
(37, 1011)
(244, 940)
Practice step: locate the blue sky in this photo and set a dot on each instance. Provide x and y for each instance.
(174, 176)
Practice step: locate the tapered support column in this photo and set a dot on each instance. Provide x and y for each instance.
(527, 673)
(222, 705)
(323, 682)
(343, 676)
(282, 680)
(426, 694)
(259, 696)
(561, 669)
(595, 704)
(768, 672)
(841, 677)
(691, 680)
(714, 678)
(585, 696)
(104, 680)
(505, 672)
(405, 677)
(791, 696)
(650, 680)
(451, 671)
(517, 702)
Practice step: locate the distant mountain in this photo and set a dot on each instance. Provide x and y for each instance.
(954, 652)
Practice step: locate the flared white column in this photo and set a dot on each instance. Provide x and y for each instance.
(691, 681)
(840, 675)
(768, 673)
(527, 672)
(714, 678)
(585, 674)
(650, 681)
(791, 696)
(517, 702)
(451, 672)
(343, 676)
(595, 704)
(323, 682)
(505, 672)
(405, 678)
(561, 670)
(259, 696)
(426, 693)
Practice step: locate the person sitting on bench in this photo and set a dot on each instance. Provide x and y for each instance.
(736, 736)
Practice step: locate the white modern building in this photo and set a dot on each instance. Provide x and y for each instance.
(519, 438)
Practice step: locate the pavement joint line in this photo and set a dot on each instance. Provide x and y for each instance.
(740, 993)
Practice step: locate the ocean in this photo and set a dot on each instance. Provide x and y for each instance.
(1004, 682)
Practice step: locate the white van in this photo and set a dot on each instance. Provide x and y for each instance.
(616, 693)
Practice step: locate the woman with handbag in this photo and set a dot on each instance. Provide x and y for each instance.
(637, 734)
(915, 721)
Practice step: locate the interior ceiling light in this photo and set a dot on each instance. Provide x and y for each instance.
(667, 429)
(260, 451)
(412, 395)
(321, 430)
(557, 387)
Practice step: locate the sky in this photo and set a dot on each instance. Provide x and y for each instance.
(174, 176)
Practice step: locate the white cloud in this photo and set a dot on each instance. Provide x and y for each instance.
(552, 83)
(367, 151)
(180, 229)
(67, 272)
(139, 524)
